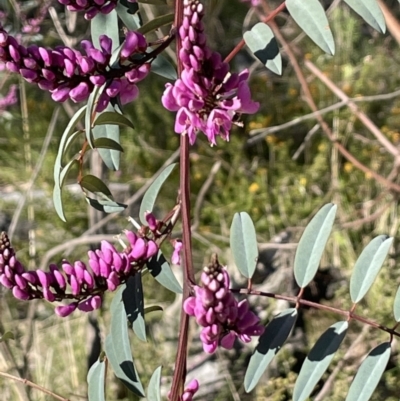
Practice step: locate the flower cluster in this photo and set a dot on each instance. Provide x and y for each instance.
(207, 97)
(216, 309)
(91, 7)
(67, 73)
(76, 281)
(32, 25)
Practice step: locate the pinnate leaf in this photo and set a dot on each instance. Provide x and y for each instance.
(318, 360)
(243, 243)
(368, 265)
(269, 344)
(96, 381)
(312, 244)
(370, 11)
(369, 373)
(261, 41)
(150, 196)
(311, 18)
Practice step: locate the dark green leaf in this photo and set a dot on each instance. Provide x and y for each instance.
(312, 244)
(261, 41)
(152, 308)
(107, 143)
(8, 335)
(106, 206)
(118, 349)
(269, 344)
(156, 23)
(369, 374)
(153, 390)
(110, 157)
(318, 360)
(368, 265)
(150, 196)
(244, 244)
(311, 18)
(132, 297)
(112, 117)
(157, 2)
(96, 381)
(396, 306)
(370, 11)
(161, 270)
(94, 184)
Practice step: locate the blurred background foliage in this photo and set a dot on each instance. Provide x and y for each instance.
(280, 192)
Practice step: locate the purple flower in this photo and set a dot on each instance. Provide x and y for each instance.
(207, 97)
(219, 314)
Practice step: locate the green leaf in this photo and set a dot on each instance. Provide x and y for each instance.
(110, 157)
(107, 143)
(156, 23)
(311, 18)
(369, 374)
(157, 2)
(261, 41)
(318, 360)
(368, 265)
(66, 169)
(161, 270)
(95, 185)
(396, 305)
(65, 142)
(8, 335)
(105, 24)
(269, 344)
(112, 117)
(150, 196)
(370, 12)
(161, 66)
(312, 244)
(153, 308)
(117, 346)
(106, 206)
(154, 388)
(132, 297)
(96, 381)
(90, 112)
(128, 12)
(244, 244)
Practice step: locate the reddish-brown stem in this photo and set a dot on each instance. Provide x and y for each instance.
(241, 44)
(349, 314)
(187, 263)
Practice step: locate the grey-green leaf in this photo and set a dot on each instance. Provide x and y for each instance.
(368, 265)
(128, 12)
(370, 11)
(161, 66)
(269, 344)
(107, 143)
(105, 24)
(318, 360)
(112, 117)
(94, 184)
(132, 298)
(369, 373)
(150, 196)
(261, 41)
(396, 305)
(311, 18)
(312, 244)
(106, 206)
(110, 157)
(118, 348)
(161, 270)
(153, 390)
(244, 244)
(96, 381)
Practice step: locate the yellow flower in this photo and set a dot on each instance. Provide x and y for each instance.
(253, 188)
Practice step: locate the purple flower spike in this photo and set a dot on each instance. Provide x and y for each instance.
(218, 312)
(139, 250)
(80, 92)
(134, 42)
(66, 310)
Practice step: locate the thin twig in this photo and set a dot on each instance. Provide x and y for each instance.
(34, 385)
